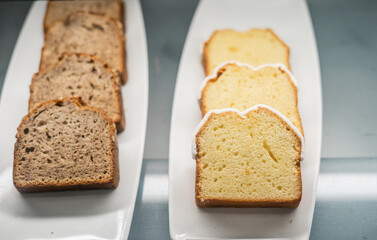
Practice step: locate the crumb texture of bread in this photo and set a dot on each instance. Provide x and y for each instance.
(85, 33)
(255, 47)
(62, 145)
(248, 162)
(60, 10)
(241, 87)
(80, 75)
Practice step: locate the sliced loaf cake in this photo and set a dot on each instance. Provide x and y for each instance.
(240, 86)
(86, 33)
(64, 145)
(248, 159)
(60, 10)
(80, 75)
(255, 47)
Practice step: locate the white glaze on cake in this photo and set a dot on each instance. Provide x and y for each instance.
(214, 75)
(243, 115)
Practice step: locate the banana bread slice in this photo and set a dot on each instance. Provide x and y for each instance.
(64, 145)
(255, 47)
(80, 75)
(248, 159)
(86, 33)
(60, 10)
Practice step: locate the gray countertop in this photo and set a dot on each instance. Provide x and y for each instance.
(346, 33)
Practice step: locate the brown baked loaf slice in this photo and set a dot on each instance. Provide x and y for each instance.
(240, 86)
(255, 47)
(80, 75)
(64, 145)
(60, 10)
(86, 33)
(248, 159)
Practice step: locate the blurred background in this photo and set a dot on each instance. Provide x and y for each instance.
(346, 35)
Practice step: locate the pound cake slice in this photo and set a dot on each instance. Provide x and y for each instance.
(86, 33)
(60, 10)
(248, 159)
(64, 145)
(240, 86)
(255, 47)
(80, 75)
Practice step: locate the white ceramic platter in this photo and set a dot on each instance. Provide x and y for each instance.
(290, 19)
(95, 214)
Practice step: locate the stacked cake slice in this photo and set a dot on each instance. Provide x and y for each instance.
(64, 145)
(60, 10)
(255, 47)
(93, 34)
(241, 86)
(248, 146)
(68, 140)
(248, 159)
(80, 75)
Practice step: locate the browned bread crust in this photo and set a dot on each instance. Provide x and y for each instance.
(123, 66)
(205, 50)
(204, 202)
(119, 121)
(122, 15)
(104, 183)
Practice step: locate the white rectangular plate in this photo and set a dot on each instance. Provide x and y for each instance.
(95, 214)
(290, 19)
